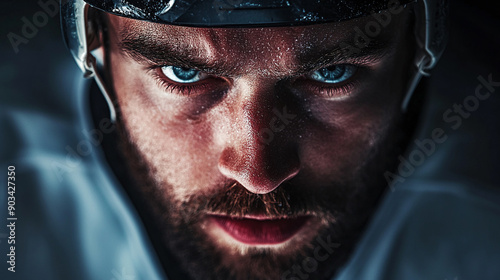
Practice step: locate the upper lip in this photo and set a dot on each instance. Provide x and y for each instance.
(253, 216)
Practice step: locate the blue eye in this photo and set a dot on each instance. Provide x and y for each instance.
(183, 75)
(333, 74)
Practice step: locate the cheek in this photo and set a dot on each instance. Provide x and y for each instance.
(343, 135)
(337, 152)
(179, 152)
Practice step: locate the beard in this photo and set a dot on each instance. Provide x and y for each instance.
(343, 207)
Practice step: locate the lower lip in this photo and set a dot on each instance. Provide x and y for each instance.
(260, 231)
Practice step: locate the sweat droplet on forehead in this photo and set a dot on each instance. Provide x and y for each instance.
(261, 51)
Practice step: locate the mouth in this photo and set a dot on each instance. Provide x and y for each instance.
(260, 230)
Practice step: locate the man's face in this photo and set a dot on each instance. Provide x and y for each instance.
(255, 147)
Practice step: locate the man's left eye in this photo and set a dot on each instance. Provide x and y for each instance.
(333, 74)
(183, 75)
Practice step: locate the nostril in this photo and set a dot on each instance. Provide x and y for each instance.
(257, 173)
(266, 183)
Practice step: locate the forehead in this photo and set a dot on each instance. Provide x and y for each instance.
(248, 47)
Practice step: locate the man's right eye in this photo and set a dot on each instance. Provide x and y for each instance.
(187, 81)
(183, 75)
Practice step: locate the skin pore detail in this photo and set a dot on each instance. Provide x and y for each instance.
(257, 137)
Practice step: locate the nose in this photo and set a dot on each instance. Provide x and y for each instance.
(261, 153)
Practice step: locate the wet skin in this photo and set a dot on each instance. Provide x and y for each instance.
(259, 120)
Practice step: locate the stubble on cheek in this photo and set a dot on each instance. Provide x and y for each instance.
(174, 152)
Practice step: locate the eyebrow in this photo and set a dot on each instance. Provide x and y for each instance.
(142, 47)
(347, 52)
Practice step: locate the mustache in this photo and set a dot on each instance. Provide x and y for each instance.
(285, 201)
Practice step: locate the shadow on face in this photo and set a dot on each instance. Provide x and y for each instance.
(252, 142)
